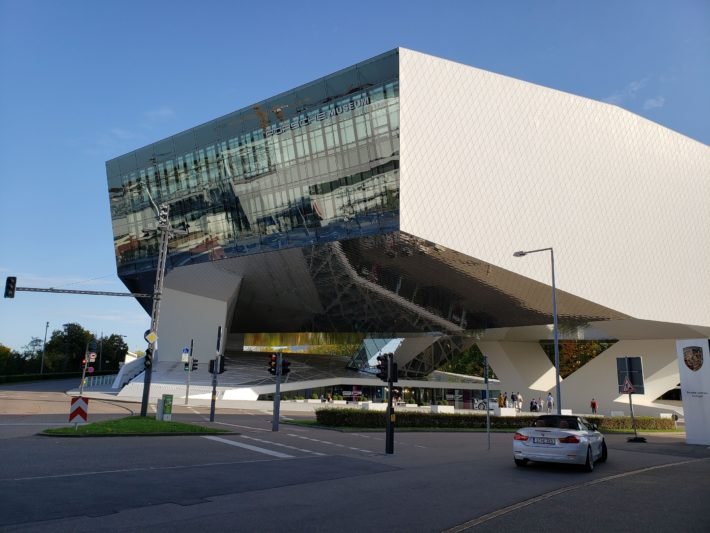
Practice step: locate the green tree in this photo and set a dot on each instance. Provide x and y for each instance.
(66, 348)
(469, 363)
(112, 350)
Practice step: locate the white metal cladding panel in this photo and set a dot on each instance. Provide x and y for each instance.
(490, 165)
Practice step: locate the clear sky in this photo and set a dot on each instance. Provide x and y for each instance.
(83, 81)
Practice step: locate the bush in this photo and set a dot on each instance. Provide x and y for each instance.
(314, 396)
(442, 402)
(377, 419)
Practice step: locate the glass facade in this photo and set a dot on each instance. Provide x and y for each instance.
(317, 164)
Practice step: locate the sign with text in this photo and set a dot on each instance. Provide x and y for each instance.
(629, 373)
(694, 369)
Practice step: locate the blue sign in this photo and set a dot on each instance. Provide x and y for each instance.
(186, 350)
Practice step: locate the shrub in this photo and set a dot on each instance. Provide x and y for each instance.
(377, 419)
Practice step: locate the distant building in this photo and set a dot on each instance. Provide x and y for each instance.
(388, 199)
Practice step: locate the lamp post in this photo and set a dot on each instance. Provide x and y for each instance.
(554, 320)
(44, 349)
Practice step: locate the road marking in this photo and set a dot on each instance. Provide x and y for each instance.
(331, 443)
(505, 510)
(238, 426)
(249, 447)
(126, 470)
(40, 424)
(282, 445)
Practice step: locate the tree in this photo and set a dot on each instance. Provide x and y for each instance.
(112, 350)
(67, 348)
(468, 363)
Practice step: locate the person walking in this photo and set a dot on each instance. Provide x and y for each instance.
(593, 404)
(520, 402)
(550, 402)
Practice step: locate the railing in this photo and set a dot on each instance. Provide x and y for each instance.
(99, 381)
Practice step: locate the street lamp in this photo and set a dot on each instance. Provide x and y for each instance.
(44, 349)
(554, 320)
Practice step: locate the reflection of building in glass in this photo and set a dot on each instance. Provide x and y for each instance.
(387, 199)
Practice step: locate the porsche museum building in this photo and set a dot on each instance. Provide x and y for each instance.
(387, 200)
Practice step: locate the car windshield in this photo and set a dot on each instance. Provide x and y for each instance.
(560, 422)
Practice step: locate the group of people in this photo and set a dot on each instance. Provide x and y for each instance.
(537, 405)
(515, 400)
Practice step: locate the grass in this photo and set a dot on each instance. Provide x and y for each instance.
(134, 425)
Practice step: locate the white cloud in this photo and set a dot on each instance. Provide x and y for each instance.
(654, 103)
(627, 93)
(161, 114)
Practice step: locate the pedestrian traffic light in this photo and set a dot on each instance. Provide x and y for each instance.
(382, 367)
(10, 285)
(272, 364)
(221, 365)
(211, 366)
(187, 367)
(285, 367)
(148, 360)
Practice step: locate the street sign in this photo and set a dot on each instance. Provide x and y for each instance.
(184, 358)
(186, 349)
(79, 408)
(631, 369)
(628, 388)
(90, 370)
(150, 336)
(92, 357)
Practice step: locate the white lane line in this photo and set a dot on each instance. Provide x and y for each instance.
(500, 512)
(238, 426)
(40, 424)
(331, 443)
(282, 445)
(249, 447)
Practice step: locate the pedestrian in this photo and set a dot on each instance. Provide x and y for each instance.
(533, 406)
(505, 400)
(520, 402)
(500, 400)
(593, 404)
(514, 400)
(550, 402)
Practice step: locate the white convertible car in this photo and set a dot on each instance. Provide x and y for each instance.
(560, 439)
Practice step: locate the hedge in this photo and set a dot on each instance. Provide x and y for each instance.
(354, 418)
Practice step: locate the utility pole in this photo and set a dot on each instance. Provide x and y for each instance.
(166, 231)
(44, 349)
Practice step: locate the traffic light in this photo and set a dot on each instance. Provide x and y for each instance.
(211, 366)
(285, 367)
(221, 365)
(194, 364)
(83, 362)
(10, 285)
(382, 367)
(272, 364)
(187, 367)
(148, 361)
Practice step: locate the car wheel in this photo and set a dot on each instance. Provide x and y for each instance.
(589, 465)
(481, 406)
(520, 462)
(602, 459)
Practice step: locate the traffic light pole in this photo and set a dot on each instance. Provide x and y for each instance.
(215, 370)
(389, 432)
(277, 394)
(189, 371)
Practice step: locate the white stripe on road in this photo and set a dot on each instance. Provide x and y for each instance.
(500, 512)
(249, 447)
(245, 427)
(331, 443)
(282, 445)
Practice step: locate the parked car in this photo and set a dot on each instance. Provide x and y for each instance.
(560, 439)
(481, 404)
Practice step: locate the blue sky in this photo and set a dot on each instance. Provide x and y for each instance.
(86, 81)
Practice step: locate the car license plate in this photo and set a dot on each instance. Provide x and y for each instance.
(544, 440)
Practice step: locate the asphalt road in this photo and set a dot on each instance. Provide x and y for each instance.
(306, 479)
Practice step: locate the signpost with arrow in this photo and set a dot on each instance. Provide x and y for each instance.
(629, 373)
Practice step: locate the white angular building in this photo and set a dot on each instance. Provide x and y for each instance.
(388, 198)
